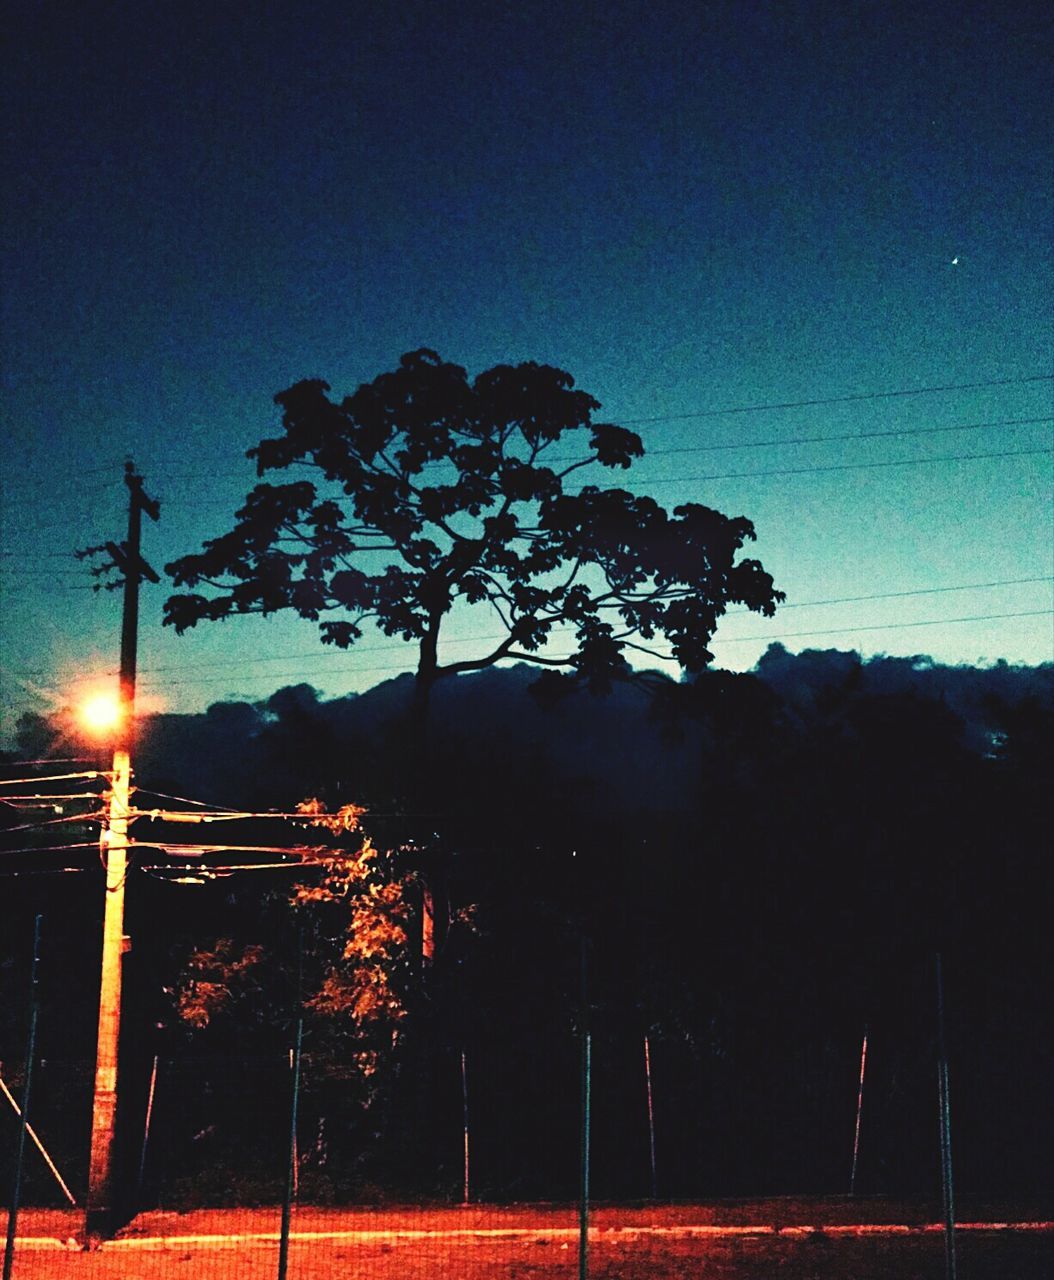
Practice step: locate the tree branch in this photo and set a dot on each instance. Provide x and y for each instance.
(641, 648)
(478, 664)
(575, 466)
(543, 662)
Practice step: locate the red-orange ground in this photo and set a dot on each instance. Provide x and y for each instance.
(792, 1239)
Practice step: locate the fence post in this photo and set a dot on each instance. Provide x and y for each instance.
(23, 1122)
(146, 1132)
(291, 1171)
(651, 1119)
(945, 1120)
(296, 1141)
(583, 1207)
(464, 1116)
(859, 1109)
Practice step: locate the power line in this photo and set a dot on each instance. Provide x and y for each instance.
(68, 795)
(30, 588)
(356, 670)
(51, 822)
(800, 471)
(219, 812)
(403, 645)
(896, 595)
(11, 764)
(213, 870)
(45, 871)
(53, 848)
(224, 815)
(843, 466)
(196, 850)
(889, 626)
(197, 476)
(758, 407)
(851, 435)
(20, 577)
(740, 475)
(831, 400)
(162, 795)
(51, 777)
(44, 555)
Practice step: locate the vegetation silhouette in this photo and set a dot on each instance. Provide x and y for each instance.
(434, 496)
(437, 495)
(764, 862)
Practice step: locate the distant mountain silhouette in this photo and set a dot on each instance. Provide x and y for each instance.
(621, 754)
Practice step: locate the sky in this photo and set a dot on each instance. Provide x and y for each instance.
(740, 226)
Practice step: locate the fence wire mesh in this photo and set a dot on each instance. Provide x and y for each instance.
(450, 1171)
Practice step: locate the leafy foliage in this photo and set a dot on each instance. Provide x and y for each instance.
(435, 493)
(361, 904)
(355, 912)
(214, 979)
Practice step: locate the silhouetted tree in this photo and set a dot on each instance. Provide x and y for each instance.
(435, 493)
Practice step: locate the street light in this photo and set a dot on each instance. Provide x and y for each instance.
(101, 714)
(108, 717)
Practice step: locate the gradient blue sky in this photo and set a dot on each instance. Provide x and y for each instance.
(688, 206)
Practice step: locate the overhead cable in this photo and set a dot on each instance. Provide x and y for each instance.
(852, 435)
(51, 777)
(12, 764)
(198, 849)
(51, 822)
(401, 645)
(842, 466)
(225, 815)
(888, 626)
(183, 799)
(360, 669)
(53, 848)
(68, 795)
(845, 399)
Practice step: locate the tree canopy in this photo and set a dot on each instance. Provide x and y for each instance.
(433, 493)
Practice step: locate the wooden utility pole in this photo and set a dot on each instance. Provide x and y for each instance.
(126, 557)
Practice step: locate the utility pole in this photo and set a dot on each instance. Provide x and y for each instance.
(126, 558)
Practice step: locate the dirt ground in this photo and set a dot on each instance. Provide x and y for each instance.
(746, 1240)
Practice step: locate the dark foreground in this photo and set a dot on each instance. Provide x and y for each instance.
(792, 1239)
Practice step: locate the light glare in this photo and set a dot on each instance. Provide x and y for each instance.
(101, 712)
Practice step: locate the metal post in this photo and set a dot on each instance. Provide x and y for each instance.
(944, 1104)
(583, 1206)
(859, 1109)
(464, 1116)
(146, 1130)
(287, 1203)
(296, 1144)
(23, 1122)
(651, 1119)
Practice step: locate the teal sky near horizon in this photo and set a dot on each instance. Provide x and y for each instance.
(690, 208)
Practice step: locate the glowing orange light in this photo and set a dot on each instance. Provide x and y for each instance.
(101, 712)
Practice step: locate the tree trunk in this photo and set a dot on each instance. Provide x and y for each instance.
(423, 794)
